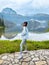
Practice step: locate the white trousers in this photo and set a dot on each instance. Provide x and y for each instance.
(23, 43)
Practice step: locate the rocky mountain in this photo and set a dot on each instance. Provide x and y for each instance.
(10, 15)
(35, 22)
(36, 25)
(41, 17)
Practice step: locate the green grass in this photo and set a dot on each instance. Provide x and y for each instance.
(47, 30)
(14, 46)
(1, 26)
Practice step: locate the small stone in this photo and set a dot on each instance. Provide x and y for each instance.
(32, 52)
(40, 63)
(36, 55)
(32, 56)
(21, 60)
(16, 61)
(13, 62)
(26, 54)
(31, 63)
(27, 59)
(20, 63)
(48, 62)
(11, 55)
(10, 64)
(45, 57)
(16, 64)
(35, 59)
(10, 59)
(24, 63)
(1, 61)
(4, 57)
(46, 52)
(16, 54)
(41, 57)
(6, 62)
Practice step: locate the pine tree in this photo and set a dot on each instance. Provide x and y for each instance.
(1, 22)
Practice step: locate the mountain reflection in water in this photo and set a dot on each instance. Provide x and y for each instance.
(8, 32)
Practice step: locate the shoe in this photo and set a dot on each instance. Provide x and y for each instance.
(20, 57)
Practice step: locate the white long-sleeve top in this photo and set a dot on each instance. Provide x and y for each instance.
(24, 33)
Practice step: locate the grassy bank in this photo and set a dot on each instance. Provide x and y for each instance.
(13, 46)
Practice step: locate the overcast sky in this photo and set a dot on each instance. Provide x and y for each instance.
(26, 7)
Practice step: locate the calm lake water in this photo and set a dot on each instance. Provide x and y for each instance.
(11, 32)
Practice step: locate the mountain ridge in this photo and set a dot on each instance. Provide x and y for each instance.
(11, 19)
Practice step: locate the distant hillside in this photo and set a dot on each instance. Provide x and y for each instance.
(10, 15)
(37, 22)
(40, 16)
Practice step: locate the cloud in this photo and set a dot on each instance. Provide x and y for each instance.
(40, 3)
(26, 7)
(16, 3)
(35, 6)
